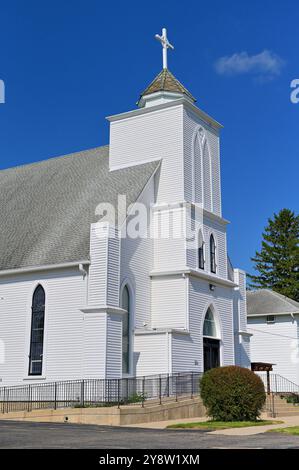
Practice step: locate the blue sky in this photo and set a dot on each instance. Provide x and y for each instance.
(68, 64)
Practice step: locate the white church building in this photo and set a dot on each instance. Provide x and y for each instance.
(114, 260)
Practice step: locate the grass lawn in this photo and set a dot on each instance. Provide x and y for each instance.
(215, 425)
(294, 430)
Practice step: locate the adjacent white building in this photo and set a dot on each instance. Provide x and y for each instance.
(84, 294)
(273, 320)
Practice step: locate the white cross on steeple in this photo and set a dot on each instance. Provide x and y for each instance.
(165, 44)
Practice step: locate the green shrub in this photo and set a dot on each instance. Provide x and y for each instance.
(136, 398)
(293, 398)
(232, 394)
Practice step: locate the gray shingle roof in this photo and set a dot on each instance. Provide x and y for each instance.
(46, 208)
(267, 302)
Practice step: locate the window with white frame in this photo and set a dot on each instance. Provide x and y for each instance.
(126, 336)
(201, 254)
(213, 265)
(209, 327)
(37, 332)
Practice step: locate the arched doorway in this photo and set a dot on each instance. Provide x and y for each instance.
(211, 342)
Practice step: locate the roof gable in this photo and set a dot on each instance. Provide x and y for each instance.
(46, 208)
(267, 302)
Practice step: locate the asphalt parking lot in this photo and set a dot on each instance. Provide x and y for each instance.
(20, 435)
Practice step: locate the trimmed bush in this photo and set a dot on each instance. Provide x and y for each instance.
(232, 394)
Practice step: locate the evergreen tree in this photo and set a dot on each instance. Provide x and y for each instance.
(277, 263)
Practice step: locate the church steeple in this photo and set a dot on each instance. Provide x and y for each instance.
(165, 87)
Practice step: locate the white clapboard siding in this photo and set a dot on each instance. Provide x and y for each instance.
(188, 352)
(240, 293)
(97, 285)
(169, 302)
(113, 268)
(245, 355)
(114, 347)
(242, 342)
(152, 136)
(169, 238)
(276, 343)
(63, 342)
(136, 263)
(95, 343)
(104, 271)
(151, 354)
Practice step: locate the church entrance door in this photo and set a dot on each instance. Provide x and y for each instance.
(211, 348)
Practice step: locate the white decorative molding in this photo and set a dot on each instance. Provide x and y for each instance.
(269, 314)
(244, 333)
(32, 269)
(103, 309)
(199, 273)
(182, 101)
(162, 331)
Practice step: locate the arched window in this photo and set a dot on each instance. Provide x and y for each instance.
(211, 342)
(213, 254)
(201, 255)
(37, 332)
(126, 336)
(197, 168)
(209, 327)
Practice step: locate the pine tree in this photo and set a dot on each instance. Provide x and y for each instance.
(278, 261)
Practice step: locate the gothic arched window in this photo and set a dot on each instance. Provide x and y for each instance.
(209, 327)
(197, 177)
(211, 342)
(37, 332)
(201, 256)
(213, 254)
(126, 336)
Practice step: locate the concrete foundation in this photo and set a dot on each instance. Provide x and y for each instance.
(113, 416)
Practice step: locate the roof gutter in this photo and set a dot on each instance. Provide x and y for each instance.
(32, 269)
(280, 314)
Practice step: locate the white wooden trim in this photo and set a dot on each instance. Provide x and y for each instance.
(208, 214)
(103, 309)
(199, 273)
(32, 269)
(179, 102)
(275, 314)
(161, 331)
(244, 333)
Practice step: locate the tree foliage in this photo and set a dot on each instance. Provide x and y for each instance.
(277, 263)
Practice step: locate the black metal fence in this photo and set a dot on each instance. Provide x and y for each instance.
(99, 392)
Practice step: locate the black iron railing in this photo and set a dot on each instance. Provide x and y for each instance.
(99, 392)
(279, 386)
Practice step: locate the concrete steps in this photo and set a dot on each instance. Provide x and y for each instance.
(282, 408)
